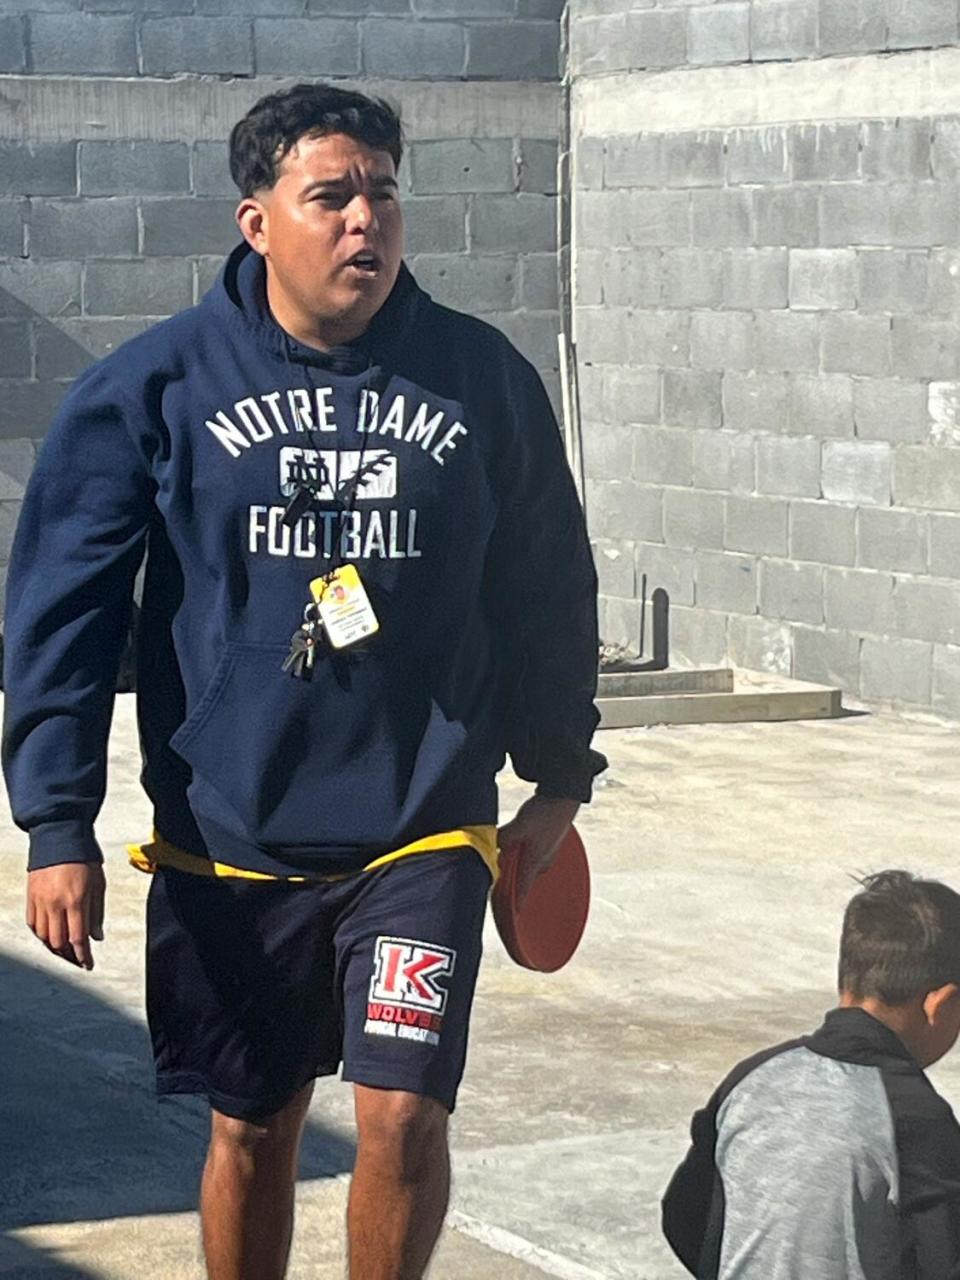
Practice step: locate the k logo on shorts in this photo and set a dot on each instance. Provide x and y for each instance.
(407, 1000)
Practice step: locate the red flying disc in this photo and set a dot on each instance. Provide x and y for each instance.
(545, 930)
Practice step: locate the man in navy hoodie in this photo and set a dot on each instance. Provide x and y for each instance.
(367, 580)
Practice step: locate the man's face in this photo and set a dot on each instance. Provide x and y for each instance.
(331, 232)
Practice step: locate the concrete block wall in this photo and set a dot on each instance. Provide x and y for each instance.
(116, 206)
(617, 35)
(766, 268)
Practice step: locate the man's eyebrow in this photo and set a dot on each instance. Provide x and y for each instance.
(344, 183)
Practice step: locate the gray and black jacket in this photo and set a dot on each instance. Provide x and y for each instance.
(831, 1157)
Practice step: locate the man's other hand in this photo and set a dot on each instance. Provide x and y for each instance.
(65, 909)
(534, 836)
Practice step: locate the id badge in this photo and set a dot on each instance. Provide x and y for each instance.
(344, 607)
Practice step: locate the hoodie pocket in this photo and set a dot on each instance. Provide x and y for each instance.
(348, 757)
(208, 701)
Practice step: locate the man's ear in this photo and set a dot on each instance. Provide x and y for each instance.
(252, 220)
(940, 1001)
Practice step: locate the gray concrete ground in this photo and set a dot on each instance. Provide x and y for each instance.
(721, 857)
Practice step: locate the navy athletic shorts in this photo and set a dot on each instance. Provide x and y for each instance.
(254, 988)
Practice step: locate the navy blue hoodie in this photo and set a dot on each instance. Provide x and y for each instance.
(187, 442)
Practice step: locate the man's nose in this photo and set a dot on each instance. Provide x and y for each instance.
(360, 214)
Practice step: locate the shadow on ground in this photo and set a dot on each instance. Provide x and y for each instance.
(82, 1136)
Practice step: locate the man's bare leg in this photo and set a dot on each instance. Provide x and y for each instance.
(401, 1184)
(246, 1200)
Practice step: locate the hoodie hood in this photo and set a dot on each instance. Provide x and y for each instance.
(239, 296)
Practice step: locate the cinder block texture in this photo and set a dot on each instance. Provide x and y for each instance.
(661, 455)
(755, 279)
(16, 462)
(896, 671)
(77, 229)
(896, 149)
(825, 152)
(405, 50)
(718, 34)
(211, 170)
(852, 26)
(691, 398)
(944, 546)
(528, 51)
(151, 287)
(756, 402)
(858, 600)
(889, 539)
(823, 279)
(82, 44)
(726, 582)
(698, 636)
(476, 164)
(783, 30)
(857, 471)
(920, 22)
(791, 591)
(823, 532)
(34, 288)
(38, 168)
(758, 525)
(538, 165)
(946, 678)
(788, 466)
(893, 280)
(756, 155)
(306, 46)
(134, 168)
(693, 519)
(657, 38)
(13, 45)
(821, 404)
(188, 226)
(468, 283)
(827, 657)
(759, 644)
(28, 405)
(222, 46)
(663, 567)
(15, 359)
(615, 568)
(521, 223)
(435, 224)
(925, 609)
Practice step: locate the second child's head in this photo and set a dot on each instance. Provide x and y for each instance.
(900, 959)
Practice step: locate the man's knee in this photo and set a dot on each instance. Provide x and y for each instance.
(402, 1130)
(274, 1137)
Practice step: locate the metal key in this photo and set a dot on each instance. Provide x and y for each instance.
(303, 645)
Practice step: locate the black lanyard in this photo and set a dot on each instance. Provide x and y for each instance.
(307, 491)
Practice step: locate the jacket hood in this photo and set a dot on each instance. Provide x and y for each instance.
(239, 296)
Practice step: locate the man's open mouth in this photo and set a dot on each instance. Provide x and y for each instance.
(365, 261)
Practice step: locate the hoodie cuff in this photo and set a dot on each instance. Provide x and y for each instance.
(70, 840)
(574, 782)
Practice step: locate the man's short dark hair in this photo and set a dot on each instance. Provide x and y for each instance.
(901, 938)
(277, 122)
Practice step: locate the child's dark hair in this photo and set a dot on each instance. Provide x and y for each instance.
(901, 938)
(277, 122)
